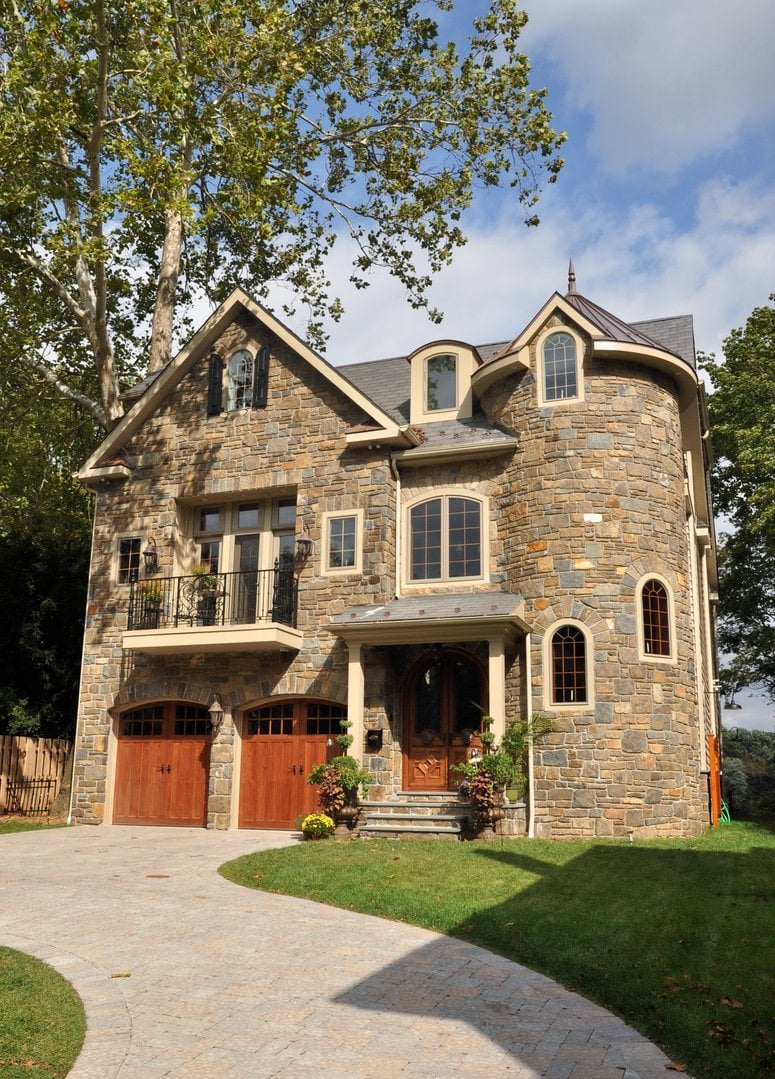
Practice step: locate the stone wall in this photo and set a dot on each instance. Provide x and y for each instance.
(592, 502)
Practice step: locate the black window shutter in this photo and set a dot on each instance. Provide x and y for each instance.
(261, 378)
(215, 385)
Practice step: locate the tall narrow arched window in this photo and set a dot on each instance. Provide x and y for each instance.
(240, 375)
(569, 666)
(560, 368)
(655, 611)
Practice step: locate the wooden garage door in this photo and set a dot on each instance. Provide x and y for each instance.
(163, 766)
(280, 744)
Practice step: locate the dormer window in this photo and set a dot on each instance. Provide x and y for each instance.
(240, 380)
(560, 369)
(441, 383)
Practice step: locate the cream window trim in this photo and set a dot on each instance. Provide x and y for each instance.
(540, 374)
(643, 655)
(327, 570)
(445, 582)
(548, 669)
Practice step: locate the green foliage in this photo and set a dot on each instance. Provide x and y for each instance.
(339, 782)
(749, 772)
(742, 415)
(675, 936)
(151, 152)
(42, 1021)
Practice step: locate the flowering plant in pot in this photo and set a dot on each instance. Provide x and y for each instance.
(317, 826)
(339, 783)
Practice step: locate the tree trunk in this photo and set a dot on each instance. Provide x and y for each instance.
(166, 293)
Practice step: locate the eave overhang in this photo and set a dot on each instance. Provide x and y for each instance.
(465, 451)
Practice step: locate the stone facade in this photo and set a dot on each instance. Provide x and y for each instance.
(582, 501)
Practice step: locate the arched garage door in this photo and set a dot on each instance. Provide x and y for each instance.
(281, 742)
(163, 765)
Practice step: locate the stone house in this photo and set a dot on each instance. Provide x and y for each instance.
(517, 527)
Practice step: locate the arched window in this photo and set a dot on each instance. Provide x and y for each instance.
(240, 375)
(441, 383)
(569, 666)
(445, 539)
(560, 371)
(655, 612)
(247, 379)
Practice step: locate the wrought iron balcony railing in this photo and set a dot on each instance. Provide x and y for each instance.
(214, 599)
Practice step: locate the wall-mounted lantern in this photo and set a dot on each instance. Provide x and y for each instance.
(151, 556)
(216, 715)
(303, 547)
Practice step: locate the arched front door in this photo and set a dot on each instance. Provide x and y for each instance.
(444, 697)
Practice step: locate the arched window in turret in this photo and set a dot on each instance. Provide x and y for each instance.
(560, 368)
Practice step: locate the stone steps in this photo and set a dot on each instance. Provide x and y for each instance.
(425, 814)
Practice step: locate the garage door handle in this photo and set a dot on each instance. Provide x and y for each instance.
(165, 768)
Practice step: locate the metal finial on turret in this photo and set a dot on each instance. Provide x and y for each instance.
(571, 277)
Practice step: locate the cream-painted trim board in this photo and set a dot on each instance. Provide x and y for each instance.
(327, 570)
(589, 657)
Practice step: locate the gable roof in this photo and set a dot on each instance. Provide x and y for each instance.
(149, 394)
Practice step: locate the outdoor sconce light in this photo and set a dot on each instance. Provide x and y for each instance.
(732, 706)
(151, 556)
(303, 546)
(216, 715)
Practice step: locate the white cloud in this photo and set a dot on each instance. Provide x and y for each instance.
(635, 261)
(666, 82)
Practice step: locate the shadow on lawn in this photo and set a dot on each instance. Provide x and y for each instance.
(657, 930)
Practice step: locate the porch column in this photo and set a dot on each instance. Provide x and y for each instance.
(355, 692)
(497, 692)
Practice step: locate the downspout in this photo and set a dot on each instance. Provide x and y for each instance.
(531, 819)
(397, 478)
(78, 719)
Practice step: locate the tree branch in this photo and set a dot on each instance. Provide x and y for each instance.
(39, 365)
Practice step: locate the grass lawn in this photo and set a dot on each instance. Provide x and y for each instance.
(42, 1022)
(675, 936)
(26, 824)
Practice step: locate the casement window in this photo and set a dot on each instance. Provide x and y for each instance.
(246, 377)
(440, 383)
(445, 539)
(342, 542)
(655, 619)
(568, 662)
(128, 559)
(560, 368)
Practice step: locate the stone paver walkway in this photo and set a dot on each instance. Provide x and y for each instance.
(185, 975)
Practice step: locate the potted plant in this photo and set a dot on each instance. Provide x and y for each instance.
(151, 603)
(486, 778)
(317, 826)
(339, 783)
(205, 579)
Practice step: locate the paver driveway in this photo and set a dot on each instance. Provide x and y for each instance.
(216, 980)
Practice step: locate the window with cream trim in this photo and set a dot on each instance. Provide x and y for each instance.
(559, 364)
(567, 660)
(342, 538)
(446, 538)
(655, 621)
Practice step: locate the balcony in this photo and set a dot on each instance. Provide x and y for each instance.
(215, 612)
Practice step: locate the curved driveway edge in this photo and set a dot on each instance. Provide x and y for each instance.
(183, 974)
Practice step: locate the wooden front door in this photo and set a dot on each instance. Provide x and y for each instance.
(163, 766)
(444, 695)
(281, 742)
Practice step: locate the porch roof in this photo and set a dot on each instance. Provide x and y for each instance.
(444, 617)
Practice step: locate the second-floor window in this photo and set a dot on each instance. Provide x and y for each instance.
(445, 539)
(655, 610)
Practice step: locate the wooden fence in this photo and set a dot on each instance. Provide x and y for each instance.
(32, 771)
